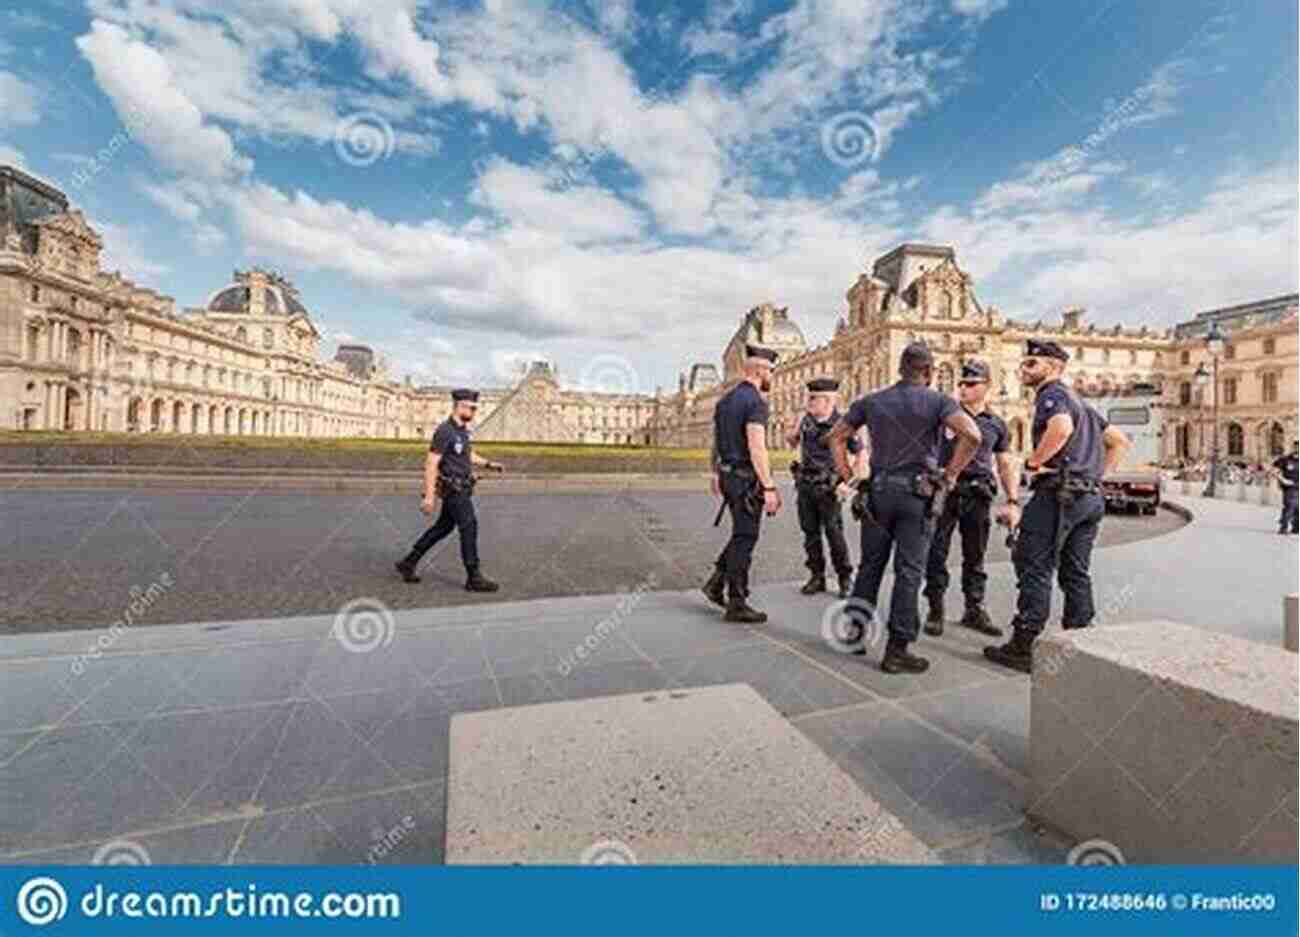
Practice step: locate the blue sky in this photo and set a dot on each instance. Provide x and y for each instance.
(611, 185)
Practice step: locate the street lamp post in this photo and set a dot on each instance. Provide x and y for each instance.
(1214, 345)
(1201, 379)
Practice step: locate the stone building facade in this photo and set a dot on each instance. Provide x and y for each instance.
(1257, 385)
(918, 292)
(82, 349)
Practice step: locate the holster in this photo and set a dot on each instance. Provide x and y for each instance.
(973, 491)
(929, 485)
(860, 504)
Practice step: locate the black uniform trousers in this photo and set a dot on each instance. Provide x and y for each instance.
(898, 524)
(457, 514)
(969, 514)
(1035, 559)
(736, 556)
(1290, 519)
(820, 511)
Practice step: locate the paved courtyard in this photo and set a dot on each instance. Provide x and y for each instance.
(74, 557)
(325, 740)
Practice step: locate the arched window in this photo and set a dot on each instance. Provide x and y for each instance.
(944, 379)
(1183, 441)
(1236, 439)
(241, 333)
(1276, 440)
(945, 305)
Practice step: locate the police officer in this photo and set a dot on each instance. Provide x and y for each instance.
(448, 475)
(743, 478)
(819, 505)
(1288, 468)
(903, 423)
(1073, 448)
(969, 509)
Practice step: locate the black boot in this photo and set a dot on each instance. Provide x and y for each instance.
(740, 611)
(934, 621)
(898, 659)
(846, 584)
(1068, 627)
(715, 589)
(407, 570)
(977, 618)
(1018, 653)
(477, 582)
(816, 583)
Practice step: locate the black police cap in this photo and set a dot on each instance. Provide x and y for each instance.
(974, 371)
(823, 385)
(754, 351)
(1034, 348)
(464, 393)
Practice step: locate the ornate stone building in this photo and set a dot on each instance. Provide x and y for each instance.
(918, 292)
(83, 349)
(1257, 384)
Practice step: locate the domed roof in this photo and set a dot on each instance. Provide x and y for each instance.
(278, 296)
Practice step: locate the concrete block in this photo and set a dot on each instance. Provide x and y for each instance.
(1291, 622)
(1175, 744)
(710, 775)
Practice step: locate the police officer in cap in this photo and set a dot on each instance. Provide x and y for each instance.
(743, 477)
(448, 475)
(969, 510)
(818, 502)
(904, 422)
(1287, 469)
(1073, 448)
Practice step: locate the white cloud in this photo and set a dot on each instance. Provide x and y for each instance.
(140, 83)
(978, 9)
(11, 156)
(122, 252)
(171, 199)
(18, 101)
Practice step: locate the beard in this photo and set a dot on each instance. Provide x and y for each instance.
(765, 384)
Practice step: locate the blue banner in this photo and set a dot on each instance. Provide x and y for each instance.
(643, 900)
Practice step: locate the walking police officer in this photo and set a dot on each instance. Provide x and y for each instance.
(903, 423)
(448, 475)
(743, 477)
(969, 508)
(1288, 473)
(815, 482)
(1073, 448)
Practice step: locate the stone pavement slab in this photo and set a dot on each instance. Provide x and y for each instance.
(687, 776)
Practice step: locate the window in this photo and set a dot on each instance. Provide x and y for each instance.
(1132, 356)
(1270, 387)
(33, 342)
(36, 293)
(1185, 357)
(267, 337)
(1129, 416)
(1230, 390)
(1185, 394)
(1229, 351)
(1270, 346)
(1236, 439)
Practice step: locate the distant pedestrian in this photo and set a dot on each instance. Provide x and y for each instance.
(1287, 467)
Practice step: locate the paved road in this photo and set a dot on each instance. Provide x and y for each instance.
(72, 558)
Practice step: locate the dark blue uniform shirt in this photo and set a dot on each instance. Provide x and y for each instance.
(994, 439)
(1084, 448)
(904, 423)
(813, 452)
(451, 441)
(1289, 466)
(739, 407)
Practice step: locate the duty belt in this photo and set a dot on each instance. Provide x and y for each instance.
(740, 471)
(752, 501)
(456, 484)
(818, 479)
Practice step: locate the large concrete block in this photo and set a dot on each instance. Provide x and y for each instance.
(1291, 622)
(711, 775)
(1177, 745)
